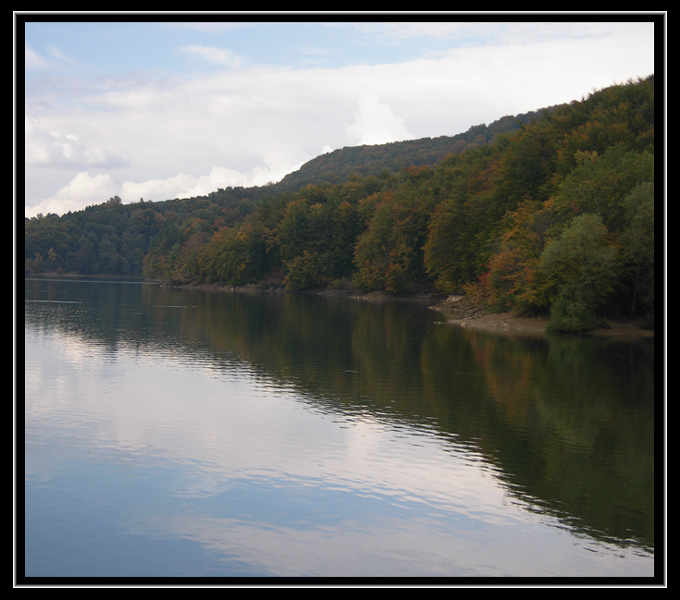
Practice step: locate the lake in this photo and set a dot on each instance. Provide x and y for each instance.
(186, 433)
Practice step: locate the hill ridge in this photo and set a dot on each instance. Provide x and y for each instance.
(337, 166)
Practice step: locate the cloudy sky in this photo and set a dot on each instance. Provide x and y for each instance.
(160, 110)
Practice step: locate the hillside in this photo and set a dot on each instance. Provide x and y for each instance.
(549, 213)
(339, 165)
(113, 238)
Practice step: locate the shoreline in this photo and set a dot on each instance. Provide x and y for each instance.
(459, 311)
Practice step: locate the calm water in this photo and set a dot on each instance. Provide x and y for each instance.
(191, 434)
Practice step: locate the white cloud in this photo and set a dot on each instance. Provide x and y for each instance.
(86, 189)
(161, 137)
(155, 189)
(219, 56)
(376, 123)
(53, 147)
(33, 60)
(78, 194)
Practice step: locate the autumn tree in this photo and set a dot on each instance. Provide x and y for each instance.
(389, 253)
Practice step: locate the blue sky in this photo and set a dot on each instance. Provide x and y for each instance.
(158, 110)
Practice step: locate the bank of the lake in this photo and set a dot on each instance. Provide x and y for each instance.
(458, 310)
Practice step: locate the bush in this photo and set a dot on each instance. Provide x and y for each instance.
(571, 316)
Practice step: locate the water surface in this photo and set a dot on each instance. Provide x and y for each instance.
(192, 434)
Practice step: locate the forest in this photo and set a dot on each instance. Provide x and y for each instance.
(551, 213)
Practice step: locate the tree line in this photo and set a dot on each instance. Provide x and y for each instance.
(554, 216)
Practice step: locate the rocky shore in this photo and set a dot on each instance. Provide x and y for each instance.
(458, 310)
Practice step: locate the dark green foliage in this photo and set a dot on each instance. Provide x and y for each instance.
(385, 159)
(581, 267)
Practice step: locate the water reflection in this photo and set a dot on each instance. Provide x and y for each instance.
(397, 444)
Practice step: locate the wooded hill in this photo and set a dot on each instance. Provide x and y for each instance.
(340, 165)
(547, 213)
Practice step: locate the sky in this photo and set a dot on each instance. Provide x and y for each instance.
(175, 106)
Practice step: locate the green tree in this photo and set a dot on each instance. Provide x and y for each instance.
(600, 182)
(236, 255)
(582, 266)
(638, 246)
